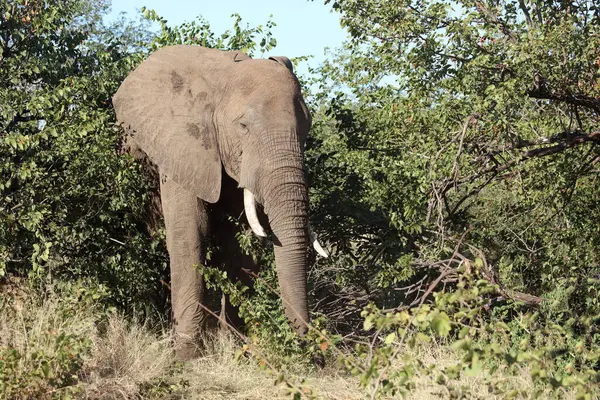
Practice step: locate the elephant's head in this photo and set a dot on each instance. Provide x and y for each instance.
(196, 112)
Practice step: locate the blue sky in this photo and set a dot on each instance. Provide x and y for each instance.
(303, 27)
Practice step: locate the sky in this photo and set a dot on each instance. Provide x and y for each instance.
(303, 27)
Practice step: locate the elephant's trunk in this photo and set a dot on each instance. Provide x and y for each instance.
(290, 259)
(286, 204)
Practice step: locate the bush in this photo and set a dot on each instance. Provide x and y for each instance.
(72, 207)
(44, 342)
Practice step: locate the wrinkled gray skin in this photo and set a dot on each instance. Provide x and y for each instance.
(215, 122)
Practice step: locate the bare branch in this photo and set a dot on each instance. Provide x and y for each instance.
(540, 91)
(471, 120)
(568, 143)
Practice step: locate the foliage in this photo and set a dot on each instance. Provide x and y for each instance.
(50, 372)
(261, 307)
(71, 206)
(198, 32)
(444, 118)
(489, 341)
(470, 122)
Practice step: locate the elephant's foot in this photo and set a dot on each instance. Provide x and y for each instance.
(186, 347)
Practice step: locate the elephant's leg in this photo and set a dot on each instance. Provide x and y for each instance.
(186, 225)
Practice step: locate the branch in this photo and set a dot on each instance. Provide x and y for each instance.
(569, 142)
(473, 192)
(20, 118)
(471, 120)
(542, 92)
(521, 297)
(491, 17)
(448, 270)
(526, 12)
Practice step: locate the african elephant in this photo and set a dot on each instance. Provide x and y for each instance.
(224, 132)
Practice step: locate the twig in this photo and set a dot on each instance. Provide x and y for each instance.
(117, 241)
(470, 119)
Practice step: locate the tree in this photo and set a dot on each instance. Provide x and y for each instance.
(472, 122)
(71, 206)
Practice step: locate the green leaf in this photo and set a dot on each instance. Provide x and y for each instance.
(389, 339)
(441, 324)
(368, 323)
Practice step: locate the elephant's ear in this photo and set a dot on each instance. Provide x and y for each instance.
(167, 107)
(284, 61)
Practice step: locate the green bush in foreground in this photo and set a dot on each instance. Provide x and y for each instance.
(506, 348)
(560, 357)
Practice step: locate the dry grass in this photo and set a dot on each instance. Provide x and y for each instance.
(39, 342)
(129, 361)
(125, 359)
(219, 375)
(29, 323)
(132, 358)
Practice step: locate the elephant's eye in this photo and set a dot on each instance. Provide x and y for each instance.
(244, 126)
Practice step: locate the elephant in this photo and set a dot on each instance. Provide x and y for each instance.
(226, 133)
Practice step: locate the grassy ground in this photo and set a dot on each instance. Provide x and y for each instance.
(55, 346)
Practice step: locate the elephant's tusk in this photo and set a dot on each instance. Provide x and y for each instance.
(250, 208)
(315, 242)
